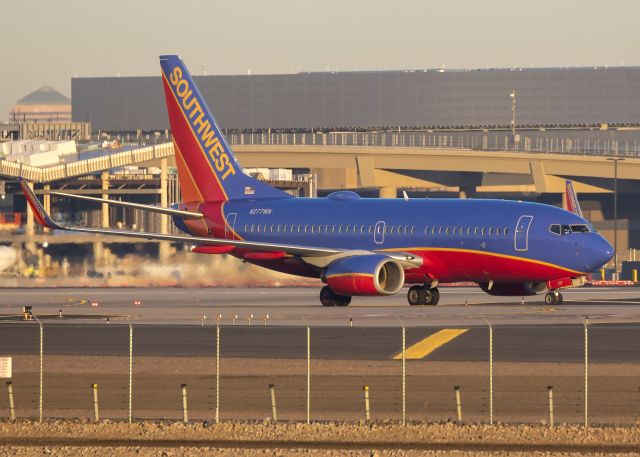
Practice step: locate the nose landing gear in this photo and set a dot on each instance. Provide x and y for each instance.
(421, 296)
(553, 298)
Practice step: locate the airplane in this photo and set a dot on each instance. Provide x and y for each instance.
(357, 246)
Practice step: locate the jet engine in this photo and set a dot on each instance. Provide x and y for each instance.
(506, 289)
(364, 275)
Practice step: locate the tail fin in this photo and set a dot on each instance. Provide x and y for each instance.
(207, 168)
(572, 199)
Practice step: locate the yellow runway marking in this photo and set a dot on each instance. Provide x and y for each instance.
(425, 347)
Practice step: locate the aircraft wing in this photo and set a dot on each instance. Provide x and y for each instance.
(45, 220)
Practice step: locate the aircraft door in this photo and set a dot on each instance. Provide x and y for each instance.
(378, 232)
(522, 233)
(229, 227)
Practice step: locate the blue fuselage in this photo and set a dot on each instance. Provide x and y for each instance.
(460, 239)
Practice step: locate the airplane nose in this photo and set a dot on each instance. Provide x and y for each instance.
(597, 252)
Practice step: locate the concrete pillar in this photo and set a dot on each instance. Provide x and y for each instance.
(467, 192)
(30, 227)
(105, 194)
(47, 202)
(388, 192)
(164, 202)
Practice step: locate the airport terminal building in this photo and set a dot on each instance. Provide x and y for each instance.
(376, 99)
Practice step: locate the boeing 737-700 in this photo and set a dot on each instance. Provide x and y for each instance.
(358, 246)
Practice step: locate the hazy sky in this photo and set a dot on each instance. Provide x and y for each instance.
(50, 41)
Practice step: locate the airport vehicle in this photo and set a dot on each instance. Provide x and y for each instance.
(359, 246)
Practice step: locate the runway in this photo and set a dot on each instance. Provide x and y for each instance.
(181, 322)
(460, 306)
(512, 343)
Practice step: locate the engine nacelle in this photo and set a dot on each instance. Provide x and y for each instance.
(507, 289)
(364, 275)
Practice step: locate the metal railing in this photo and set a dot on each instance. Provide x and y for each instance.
(432, 140)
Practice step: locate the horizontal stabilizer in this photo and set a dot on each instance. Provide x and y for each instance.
(43, 219)
(151, 208)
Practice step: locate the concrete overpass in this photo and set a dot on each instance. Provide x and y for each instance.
(470, 171)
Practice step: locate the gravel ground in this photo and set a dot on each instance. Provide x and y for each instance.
(503, 438)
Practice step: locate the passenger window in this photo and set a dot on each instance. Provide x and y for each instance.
(440, 230)
(273, 228)
(468, 231)
(475, 230)
(506, 231)
(499, 231)
(299, 228)
(413, 230)
(339, 228)
(392, 230)
(484, 230)
(370, 229)
(446, 230)
(555, 228)
(490, 231)
(265, 228)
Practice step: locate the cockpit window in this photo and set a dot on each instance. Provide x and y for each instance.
(566, 229)
(580, 228)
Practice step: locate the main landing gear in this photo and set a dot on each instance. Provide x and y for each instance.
(329, 298)
(421, 295)
(553, 298)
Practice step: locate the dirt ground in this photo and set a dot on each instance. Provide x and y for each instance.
(520, 389)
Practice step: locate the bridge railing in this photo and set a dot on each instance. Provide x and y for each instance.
(494, 141)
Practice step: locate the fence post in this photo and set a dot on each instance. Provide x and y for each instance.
(550, 389)
(404, 375)
(40, 399)
(96, 407)
(585, 323)
(367, 411)
(273, 402)
(308, 374)
(458, 403)
(490, 370)
(130, 371)
(12, 411)
(218, 373)
(185, 415)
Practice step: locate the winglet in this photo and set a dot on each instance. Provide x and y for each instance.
(38, 210)
(572, 199)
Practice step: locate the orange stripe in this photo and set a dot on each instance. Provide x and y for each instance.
(183, 165)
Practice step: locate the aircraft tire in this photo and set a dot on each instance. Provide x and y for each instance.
(435, 296)
(553, 298)
(329, 298)
(417, 296)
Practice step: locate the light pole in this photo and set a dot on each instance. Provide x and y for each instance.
(615, 161)
(513, 117)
